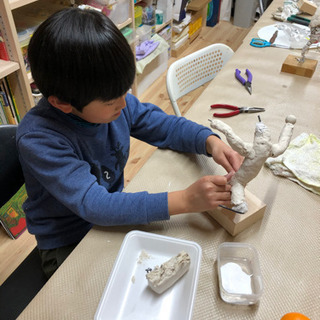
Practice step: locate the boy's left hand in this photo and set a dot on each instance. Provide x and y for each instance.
(223, 154)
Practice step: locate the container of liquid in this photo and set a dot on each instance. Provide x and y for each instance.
(240, 279)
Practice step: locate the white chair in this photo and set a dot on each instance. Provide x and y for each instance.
(192, 71)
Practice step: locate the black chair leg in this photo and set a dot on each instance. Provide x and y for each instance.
(21, 286)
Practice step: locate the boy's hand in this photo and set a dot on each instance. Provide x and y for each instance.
(223, 154)
(205, 194)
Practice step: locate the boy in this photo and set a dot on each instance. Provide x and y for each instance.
(74, 144)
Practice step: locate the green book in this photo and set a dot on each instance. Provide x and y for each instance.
(12, 216)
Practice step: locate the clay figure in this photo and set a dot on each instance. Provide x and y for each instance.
(314, 35)
(255, 154)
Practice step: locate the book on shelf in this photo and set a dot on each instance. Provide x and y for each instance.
(3, 49)
(7, 104)
(6, 108)
(3, 119)
(12, 216)
(25, 31)
(12, 100)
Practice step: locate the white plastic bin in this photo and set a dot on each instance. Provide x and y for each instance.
(120, 13)
(154, 68)
(244, 13)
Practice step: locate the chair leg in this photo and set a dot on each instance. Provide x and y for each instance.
(21, 286)
(176, 109)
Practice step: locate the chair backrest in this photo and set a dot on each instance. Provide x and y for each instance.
(28, 278)
(192, 71)
(11, 176)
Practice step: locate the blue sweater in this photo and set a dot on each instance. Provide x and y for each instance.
(74, 170)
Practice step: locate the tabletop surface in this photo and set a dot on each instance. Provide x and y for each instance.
(287, 238)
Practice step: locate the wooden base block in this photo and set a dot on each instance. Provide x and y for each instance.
(305, 69)
(306, 6)
(233, 222)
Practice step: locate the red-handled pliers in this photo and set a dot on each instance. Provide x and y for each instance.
(236, 110)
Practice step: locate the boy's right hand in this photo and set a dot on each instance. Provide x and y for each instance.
(205, 194)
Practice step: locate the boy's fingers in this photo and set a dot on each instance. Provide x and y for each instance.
(229, 175)
(218, 180)
(235, 161)
(222, 188)
(219, 184)
(224, 196)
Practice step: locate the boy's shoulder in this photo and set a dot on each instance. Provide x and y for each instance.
(39, 117)
(135, 105)
(41, 108)
(131, 99)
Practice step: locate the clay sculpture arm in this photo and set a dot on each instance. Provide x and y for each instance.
(285, 137)
(245, 149)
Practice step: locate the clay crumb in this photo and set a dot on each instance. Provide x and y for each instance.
(143, 256)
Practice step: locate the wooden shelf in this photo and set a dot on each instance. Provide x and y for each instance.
(14, 4)
(197, 5)
(124, 24)
(159, 27)
(7, 67)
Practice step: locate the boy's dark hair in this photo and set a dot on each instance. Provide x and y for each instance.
(80, 56)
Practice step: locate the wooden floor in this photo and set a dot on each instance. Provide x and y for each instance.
(12, 252)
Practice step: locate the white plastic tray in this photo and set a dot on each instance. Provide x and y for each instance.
(127, 295)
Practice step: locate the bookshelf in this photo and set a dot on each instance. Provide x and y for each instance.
(7, 67)
(14, 69)
(19, 3)
(12, 11)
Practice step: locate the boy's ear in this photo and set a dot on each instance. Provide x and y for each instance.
(62, 106)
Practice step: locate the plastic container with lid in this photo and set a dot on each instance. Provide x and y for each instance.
(137, 16)
(159, 16)
(128, 34)
(120, 12)
(144, 33)
(240, 278)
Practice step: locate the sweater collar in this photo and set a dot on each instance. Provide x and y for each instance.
(75, 119)
(81, 122)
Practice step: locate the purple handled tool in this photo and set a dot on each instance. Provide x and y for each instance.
(246, 83)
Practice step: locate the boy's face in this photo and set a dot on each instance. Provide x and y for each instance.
(101, 112)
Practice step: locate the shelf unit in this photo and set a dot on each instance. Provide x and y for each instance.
(160, 27)
(7, 67)
(14, 69)
(19, 78)
(14, 4)
(199, 6)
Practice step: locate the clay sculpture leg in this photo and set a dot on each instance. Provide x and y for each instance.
(238, 197)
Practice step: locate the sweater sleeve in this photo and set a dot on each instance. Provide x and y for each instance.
(152, 125)
(58, 178)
